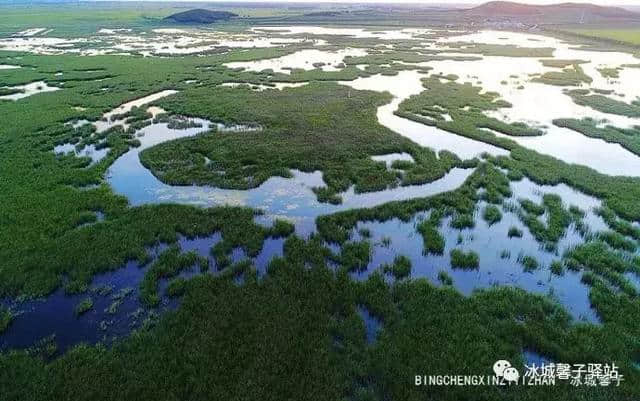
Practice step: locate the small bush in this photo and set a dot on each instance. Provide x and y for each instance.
(528, 262)
(400, 268)
(462, 221)
(356, 255)
(461, 260)
(433, 241)
(515, 232)
(6, 316)
(281, 228)
(445, 278)
(557, 268)
(492, 214)
(84, 306)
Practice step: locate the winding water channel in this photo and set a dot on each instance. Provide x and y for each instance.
(117, 309)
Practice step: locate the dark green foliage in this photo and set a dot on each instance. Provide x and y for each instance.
(494, 183)
(315, 309)
(597, 257)
(433, 241)
(400, 268)
(6, 316)
(304, 339)
(83, 306)
(528, 262)
(463, 221)
(461, 260)
(376, 58)
(200, 16)
(320, 126)
(603, 91)
(465, 104)
(558, 219)
(531, 207)
(177, 287)
(168, 264)
(281, 228)
(515, 232)
(617, 241)
(402, 164)
(621, 226)
(576, 212)
(445, 278)
(619, 193)
(297, 307)
(356, 255)
(336, 227)
(606, 104)
(10, 91)
(492, 214)
(629, 138)
(365, 233)
(220, 252)
(557, 268)
(44, 206)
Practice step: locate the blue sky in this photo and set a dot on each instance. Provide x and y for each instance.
(600, 2)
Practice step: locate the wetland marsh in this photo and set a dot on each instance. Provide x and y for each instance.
(181, 204)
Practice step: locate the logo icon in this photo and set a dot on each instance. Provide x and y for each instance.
(503, 370)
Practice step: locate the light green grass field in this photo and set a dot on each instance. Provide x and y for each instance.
(73, 20)
(631, 35)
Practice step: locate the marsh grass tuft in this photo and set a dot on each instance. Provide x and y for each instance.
(400, 268)
(83, 306)
(464, 260)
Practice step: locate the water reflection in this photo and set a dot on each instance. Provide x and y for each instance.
(303, 59)
(402, 86)
(27, 90)
(498, 253)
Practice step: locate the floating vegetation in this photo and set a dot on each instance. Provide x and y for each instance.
(610, 72)
(433, 241)
(355, 256)
(6, 316)
(528, 262)
(492, 214)
(604, 103)
(400, 268)
(557, 268)
(84, 306)
(514, 232)
(168, 264)
(464, 260)
(558, 219)
(629, 138)
(465, 105)
(617, 241)
(463, 221)
(445, 278)
(570, 76)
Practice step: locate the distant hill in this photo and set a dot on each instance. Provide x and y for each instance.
(200, 16)
(573, 12)
(323, 14)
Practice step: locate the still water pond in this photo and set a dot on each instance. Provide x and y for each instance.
(117, 309)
